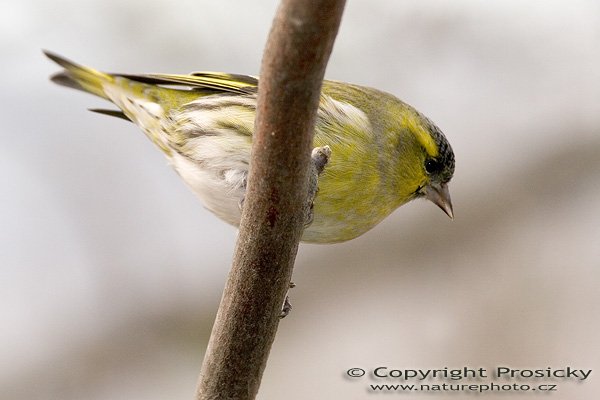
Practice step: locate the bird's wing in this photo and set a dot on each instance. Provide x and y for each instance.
(202, 81)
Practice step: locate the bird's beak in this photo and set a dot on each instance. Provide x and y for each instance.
(440, 196)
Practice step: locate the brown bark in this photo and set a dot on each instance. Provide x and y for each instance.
(294, 61)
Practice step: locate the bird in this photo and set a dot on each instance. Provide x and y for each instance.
(384, 153)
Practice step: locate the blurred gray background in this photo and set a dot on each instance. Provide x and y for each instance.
(111, 271)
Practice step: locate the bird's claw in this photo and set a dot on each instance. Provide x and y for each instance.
(287, 306)
(319, 159)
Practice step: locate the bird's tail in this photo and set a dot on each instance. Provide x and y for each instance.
(138, 102)
(80, 77)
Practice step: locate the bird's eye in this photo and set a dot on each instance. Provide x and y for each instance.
(432, 166)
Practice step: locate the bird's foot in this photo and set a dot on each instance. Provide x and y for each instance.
(287, 306)
(319, 159)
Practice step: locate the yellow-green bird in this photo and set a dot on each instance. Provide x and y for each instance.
(384, 153)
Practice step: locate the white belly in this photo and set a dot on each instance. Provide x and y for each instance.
(219, 187)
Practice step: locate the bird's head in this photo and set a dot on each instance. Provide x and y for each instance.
(434, 161)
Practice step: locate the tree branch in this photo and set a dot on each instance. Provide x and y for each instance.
(293, 66)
